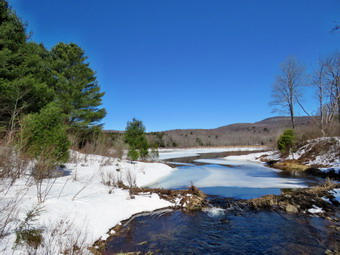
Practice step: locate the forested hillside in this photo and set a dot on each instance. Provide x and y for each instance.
(264, 132)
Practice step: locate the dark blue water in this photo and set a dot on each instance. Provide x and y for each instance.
(217, 231)
(178, 232)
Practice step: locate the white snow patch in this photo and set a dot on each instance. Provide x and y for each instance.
(326, 200)
(329, 158)
(336, 194)
(315, 209)
(253, 156)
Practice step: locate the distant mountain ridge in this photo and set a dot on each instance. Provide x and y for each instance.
(263, 132)
(274, 122)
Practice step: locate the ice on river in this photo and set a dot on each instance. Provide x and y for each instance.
(227, 174)
(191, 152)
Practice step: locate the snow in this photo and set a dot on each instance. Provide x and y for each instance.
(235, 173)
(329, 158)
(336, 194)
(191, 152)
(254, 156)
(326, 200)
(81, 203)
(315, 209)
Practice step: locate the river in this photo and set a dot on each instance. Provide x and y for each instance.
(218, 230)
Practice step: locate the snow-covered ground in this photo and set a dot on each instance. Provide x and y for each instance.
(80, 203)
(320, 151)
(191, 152)
(80, 207)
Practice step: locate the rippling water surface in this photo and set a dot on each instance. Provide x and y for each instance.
(217, 232)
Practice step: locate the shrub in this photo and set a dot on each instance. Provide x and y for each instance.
(286, 141)
(44, 134)
(135, 137)
(133, 154)
(28, 235)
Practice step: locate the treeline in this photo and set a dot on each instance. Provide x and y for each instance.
(264, 132)
(46, 96)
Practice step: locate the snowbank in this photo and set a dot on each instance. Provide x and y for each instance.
(191, 152)
(255, 156)
(81, 203)
(320, 151)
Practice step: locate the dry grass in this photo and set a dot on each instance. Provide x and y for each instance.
(290, 165)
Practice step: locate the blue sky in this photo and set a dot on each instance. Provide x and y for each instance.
(187, 63)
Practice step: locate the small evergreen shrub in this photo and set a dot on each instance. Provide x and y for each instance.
(44, 135)
(135, 137)
(26, 233)
(286, 141)
(133, 154)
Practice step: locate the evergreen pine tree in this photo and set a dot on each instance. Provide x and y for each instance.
(22, 71)
(135, 137)
(75, 85)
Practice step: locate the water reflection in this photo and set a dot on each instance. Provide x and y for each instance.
(238, 179)
(209, 233)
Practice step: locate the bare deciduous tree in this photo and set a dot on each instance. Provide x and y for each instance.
(286, 89)
(332, 76)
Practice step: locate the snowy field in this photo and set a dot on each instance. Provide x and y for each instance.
(79, 204)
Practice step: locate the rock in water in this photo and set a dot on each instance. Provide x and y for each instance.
(291, 209)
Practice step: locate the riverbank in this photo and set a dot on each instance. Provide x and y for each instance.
(316, 201)
(79, 205)
(318, 157)
(321, 202)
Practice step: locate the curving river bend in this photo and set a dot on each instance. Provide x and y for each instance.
(217, 230)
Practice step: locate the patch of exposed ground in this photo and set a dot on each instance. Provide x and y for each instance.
(300, 200)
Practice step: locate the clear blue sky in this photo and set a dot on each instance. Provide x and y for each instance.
(186, 63)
